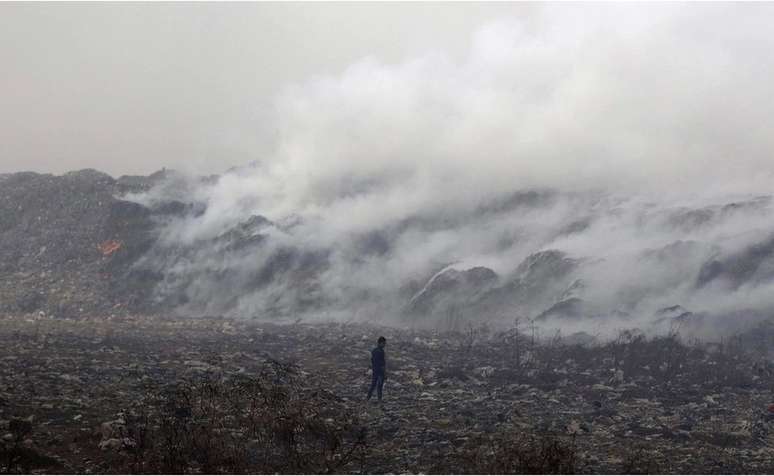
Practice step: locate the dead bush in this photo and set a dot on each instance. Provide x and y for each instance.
(638, 461)
(18, 458)
(513, 454)
(270, 423)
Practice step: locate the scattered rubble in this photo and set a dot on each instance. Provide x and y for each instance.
(73, 392)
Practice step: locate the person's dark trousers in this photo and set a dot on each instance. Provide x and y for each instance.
(377, 382)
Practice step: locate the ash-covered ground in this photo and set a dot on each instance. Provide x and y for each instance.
(155, 394)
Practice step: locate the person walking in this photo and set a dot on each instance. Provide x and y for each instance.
(378, 367)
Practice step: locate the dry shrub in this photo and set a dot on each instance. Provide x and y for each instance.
(638, 461)
(270, 423)
(16, 457)
(513, 454)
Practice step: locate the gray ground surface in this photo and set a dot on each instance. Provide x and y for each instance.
(633, 405)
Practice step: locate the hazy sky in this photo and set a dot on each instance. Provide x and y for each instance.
(129, 88)
(489, 96)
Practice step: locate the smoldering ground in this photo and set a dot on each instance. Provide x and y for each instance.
(587, 167)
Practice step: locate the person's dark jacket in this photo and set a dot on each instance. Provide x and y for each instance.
(378, 363)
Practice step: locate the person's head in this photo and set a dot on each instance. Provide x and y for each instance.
(381, 342)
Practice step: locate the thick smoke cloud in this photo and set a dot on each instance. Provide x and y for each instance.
(631, 140)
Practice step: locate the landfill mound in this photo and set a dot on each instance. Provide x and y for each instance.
(86, 244)
(67, 244)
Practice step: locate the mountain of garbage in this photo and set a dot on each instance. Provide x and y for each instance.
(68, 243)
(87, 244)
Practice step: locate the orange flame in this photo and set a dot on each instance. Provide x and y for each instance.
(109, 247)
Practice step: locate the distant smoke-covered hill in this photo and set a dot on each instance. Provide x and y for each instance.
(67, 243)
(86, 244)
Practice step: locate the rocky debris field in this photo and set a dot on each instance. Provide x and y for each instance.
(153, 394)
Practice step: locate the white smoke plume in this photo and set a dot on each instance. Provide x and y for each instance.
(634, 139)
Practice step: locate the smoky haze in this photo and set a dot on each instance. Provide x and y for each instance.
(129, 88)
(587, 166)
